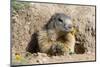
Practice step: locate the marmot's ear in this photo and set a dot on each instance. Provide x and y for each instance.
(51, 23)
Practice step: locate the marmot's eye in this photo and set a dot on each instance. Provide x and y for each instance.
(59, 19)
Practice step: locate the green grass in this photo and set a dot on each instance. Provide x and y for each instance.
(16, 5)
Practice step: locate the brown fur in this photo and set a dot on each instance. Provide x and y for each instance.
(67, 41)
(54, 41)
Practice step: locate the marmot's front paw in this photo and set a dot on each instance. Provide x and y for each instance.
(56, 49)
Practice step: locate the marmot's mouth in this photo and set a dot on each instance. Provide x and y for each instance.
(68, 30)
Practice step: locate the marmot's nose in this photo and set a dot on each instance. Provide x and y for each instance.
(68, 26)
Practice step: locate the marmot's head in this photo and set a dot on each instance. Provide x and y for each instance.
(60, 22)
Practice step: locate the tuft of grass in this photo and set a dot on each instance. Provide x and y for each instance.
(16, 5)
(19, 59)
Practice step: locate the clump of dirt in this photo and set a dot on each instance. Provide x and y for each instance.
(27, 21)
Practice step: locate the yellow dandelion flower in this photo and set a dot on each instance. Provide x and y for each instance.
(74, 31)
(17, 57)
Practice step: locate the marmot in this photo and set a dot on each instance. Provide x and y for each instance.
(57, 36)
